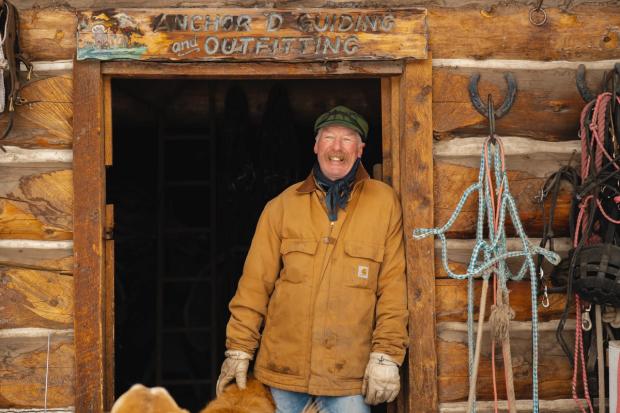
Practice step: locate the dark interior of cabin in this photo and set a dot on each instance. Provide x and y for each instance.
(194, 162)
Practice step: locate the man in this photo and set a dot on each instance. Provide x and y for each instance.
(326, 275)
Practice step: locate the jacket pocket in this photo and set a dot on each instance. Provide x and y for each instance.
(298, 259)
(361, 264)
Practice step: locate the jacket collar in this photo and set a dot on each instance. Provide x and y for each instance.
(309, 185)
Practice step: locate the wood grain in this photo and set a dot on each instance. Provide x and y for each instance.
(55, 260)
(503, 31)
(251, 34)
(451, 301)
(546, 406)
(547, 105)
(555, 373)
(89, 179)
(36, 202)
(23, 369)
(526, 176)
(35, 298)
(459, 254)
(466, 30)
(417, 197)
(44, 117)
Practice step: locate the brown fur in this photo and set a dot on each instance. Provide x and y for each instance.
(140, 399)
(256, 398)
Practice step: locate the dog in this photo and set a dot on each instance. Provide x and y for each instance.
(255, 398)
(141, 399)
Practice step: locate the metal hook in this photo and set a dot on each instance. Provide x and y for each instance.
(491, 117)
(508, 101)
(538, 11)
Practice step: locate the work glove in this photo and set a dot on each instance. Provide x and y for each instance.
(381, 379)
(235, 366)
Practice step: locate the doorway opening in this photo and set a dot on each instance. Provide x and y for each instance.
(195, 161)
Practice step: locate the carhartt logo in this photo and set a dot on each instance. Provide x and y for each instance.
(362, 271)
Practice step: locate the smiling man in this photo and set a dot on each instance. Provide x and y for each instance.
(323, 296)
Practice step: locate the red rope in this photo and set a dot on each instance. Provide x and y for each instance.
(579, 356)
(500, 192)
(597, 147)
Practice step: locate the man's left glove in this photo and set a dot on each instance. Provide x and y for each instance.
(235, 366)
(381, 380)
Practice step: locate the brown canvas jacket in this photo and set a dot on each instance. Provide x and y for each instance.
(328, 294)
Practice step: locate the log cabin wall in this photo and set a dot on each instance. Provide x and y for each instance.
(488, 37)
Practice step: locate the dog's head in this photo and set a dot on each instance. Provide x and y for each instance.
(141, 399)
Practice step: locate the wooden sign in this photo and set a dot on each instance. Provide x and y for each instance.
(187, 34)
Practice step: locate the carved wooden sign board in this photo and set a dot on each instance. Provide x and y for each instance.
(237, 34)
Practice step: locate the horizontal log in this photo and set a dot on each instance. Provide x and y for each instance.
(451, 301)
(13, 155)
(23, 366)
(36, 202)
(495, 30)
(504, 32)
(555, 373)
(44, 118)
(547, 106)
(459, 254)
(69, 409)
(39, 255)
(35, 298)
(526, 176)
(79, 4)
(251, 69)
(545, 406)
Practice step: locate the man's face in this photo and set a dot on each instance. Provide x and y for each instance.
(337, 148)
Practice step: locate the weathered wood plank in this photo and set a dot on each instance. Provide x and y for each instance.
(459, 254)
(547, 106)
(545, 406)
(23, 369)
(451, 301)
(69, 409)
(503, 31)
(48, 33)
(417, 198)
(36, 202)
(251, 69)
(526, 175)
(23, 256)
(480, 31)
(35, 298)
(44, 117)
(79, 4)
(251, 34)
(555, 373)
(89, 212)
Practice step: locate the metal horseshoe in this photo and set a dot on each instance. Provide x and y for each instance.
(506, 105)
(586, 94)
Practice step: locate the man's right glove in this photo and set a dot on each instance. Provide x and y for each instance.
(381, 380)
(235, 366)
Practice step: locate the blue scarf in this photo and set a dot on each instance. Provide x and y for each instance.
(337, 192)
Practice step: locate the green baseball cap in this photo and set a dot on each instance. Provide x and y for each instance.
(341, 115)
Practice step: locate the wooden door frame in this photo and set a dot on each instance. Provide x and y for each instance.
(406, 103)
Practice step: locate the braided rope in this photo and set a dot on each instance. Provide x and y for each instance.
(494, 250)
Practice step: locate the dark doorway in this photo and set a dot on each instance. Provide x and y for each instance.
(195, 161)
